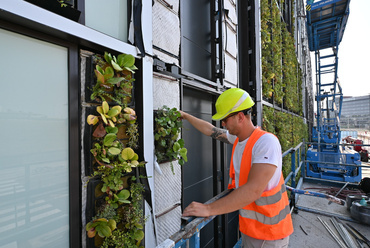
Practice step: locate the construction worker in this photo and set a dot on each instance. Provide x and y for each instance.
(255, 174)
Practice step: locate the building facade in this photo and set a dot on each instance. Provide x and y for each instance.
(186, 53)
(355, 112)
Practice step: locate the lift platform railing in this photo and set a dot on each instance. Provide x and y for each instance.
(297, 158)
(189, 235)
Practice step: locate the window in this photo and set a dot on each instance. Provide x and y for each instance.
(109, 18)
(34, 152)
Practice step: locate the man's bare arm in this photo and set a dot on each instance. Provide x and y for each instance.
(206, 127)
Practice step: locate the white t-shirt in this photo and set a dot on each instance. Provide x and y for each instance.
(267, 149)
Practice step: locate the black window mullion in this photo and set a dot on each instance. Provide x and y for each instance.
(74, 148)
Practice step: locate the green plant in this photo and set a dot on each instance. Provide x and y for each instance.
(118, 198)
(122, 239)
(290, 130)
(166, 132)
(108, 147)
(108, 212)
(113, 78)
(102, 226)
(62, 4)
(113, 115)
(122, 62)
(266, 43)
(113, 158)
(111, 175)
(109, 116)
(119, 220)
(132, 220)
(132, 132)
(281, 76)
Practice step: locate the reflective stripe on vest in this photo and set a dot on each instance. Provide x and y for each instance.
(267, 200)
(250, 214)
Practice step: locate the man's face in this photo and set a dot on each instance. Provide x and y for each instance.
(229, 122)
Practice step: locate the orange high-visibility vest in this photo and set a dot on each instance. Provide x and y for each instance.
(267, 218)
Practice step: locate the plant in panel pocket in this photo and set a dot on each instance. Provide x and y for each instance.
(119, 220)
(168, 146)
(114, 78)
(113, 158)
(131, 224)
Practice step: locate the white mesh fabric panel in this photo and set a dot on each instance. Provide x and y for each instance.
(166, 29)
(168, 194)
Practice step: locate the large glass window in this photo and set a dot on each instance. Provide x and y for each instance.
(34, 185)
(109, 17)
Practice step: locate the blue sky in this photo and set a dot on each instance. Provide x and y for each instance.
(354, 51)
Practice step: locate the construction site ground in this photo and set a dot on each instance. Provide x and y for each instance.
(309, 231)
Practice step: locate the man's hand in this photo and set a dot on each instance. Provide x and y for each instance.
(197, 209)
(182, 114)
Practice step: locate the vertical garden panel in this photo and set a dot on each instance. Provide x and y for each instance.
(113, 209)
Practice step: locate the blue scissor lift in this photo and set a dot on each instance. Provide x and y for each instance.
(326, 22)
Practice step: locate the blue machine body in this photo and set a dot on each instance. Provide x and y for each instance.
(326, 22)
(335, 166)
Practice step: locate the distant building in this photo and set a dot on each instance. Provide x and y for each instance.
(355, 112)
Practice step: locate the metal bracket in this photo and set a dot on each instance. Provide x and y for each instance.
(166, 68)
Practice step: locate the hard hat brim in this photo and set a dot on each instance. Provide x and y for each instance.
(217, 117)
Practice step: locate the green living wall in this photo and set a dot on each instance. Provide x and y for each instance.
(281, 73)
(281, 80)
(290, 129)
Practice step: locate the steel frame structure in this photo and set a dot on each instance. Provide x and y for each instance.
(326, 22)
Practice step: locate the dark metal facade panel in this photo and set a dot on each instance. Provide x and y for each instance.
(198, 179)
(206, 173)
(195, 22)
(200, 165)
(198, 59)
(196, 38)
(247, 47)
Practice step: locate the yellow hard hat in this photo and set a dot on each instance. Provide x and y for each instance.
(231, 101)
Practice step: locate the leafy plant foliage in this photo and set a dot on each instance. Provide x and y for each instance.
(119, 220)
(130, 233)
(281, 73)
(114, 78)
(290, 130)
(168, 126)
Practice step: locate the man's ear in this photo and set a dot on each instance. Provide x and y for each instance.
(240, 116)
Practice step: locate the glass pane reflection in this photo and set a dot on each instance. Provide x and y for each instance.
(34, 192)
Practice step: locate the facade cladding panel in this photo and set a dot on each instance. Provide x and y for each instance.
(196, 42)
